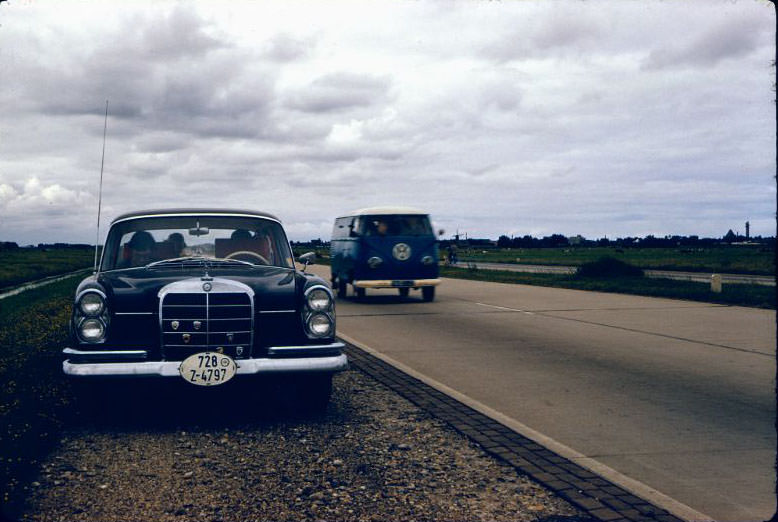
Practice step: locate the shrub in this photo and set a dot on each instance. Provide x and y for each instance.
(608, 267)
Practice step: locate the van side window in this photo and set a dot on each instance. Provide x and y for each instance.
(341, 228)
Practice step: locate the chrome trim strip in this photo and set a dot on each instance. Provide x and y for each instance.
(335, 363)
(205, 347)
(133, 313)
(276, 311)
(117, 354)
(195, 214)
(201, 319)
(305, 348)
(209, 306)
(202, 332)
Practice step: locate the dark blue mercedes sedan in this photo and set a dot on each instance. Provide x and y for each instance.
(204, 296)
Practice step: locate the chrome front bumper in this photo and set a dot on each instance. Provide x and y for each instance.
(129, 364)
(395, 283)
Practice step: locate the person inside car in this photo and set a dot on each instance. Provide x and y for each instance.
(177, 243)
(138, 250)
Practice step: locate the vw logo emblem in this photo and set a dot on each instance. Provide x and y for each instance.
(401, 252)
(207, 287)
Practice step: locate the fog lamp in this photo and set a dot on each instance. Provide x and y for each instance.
(320, 325)
(92, 330)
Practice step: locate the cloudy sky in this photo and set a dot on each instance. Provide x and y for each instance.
(516, 117)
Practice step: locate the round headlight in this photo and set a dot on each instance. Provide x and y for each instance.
(320, 325)
(92, 330)
(91, 304)
(319, 300)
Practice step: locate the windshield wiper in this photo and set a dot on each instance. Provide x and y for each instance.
(200, 260)
(230, 261)
(178, 260)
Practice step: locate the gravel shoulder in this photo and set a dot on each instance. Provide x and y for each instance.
(164, 453)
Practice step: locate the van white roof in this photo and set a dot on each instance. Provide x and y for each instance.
(378, 211)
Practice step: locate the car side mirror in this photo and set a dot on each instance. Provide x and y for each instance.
(307, 259)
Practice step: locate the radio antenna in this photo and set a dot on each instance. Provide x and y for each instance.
(100, 190)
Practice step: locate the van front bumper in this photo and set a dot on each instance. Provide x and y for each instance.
(329, 360)
(395, 283)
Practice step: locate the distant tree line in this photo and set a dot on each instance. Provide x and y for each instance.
(12, 245)
(75, 246)
(650, 241)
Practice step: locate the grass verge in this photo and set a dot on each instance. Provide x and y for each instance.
(757, 296)
(34, 396)
(23, 265)
(713, 259)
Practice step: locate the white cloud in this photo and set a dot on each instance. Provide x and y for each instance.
(569, 117)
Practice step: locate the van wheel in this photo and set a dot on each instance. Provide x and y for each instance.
(404, 292)
(342, 288)
(428, 293)
(360, 292)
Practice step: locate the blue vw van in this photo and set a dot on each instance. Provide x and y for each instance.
(385, 247)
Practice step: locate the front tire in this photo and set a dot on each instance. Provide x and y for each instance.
(360, 292)
(342, 288)
(314, 392)
(428, 293)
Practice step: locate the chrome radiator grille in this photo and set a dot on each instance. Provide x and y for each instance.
(194, 320)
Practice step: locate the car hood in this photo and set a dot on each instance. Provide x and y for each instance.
(136, 290)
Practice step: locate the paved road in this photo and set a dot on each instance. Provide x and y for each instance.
(676, 395)
(700, 277)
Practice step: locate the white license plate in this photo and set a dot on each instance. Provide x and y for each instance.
(207, 368)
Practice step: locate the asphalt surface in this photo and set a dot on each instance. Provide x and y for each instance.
(673, 397)
(700, 277)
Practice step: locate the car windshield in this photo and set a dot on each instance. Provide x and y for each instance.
(145, 241)
(396, 225)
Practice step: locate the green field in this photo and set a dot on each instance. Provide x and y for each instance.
(758, 296)
(35, 398)
(723, 259)
(28, 264)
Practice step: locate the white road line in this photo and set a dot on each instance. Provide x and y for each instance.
(505, 308)
(635, 487)
(41, 282)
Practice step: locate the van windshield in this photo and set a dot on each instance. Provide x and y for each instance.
(396, 225)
